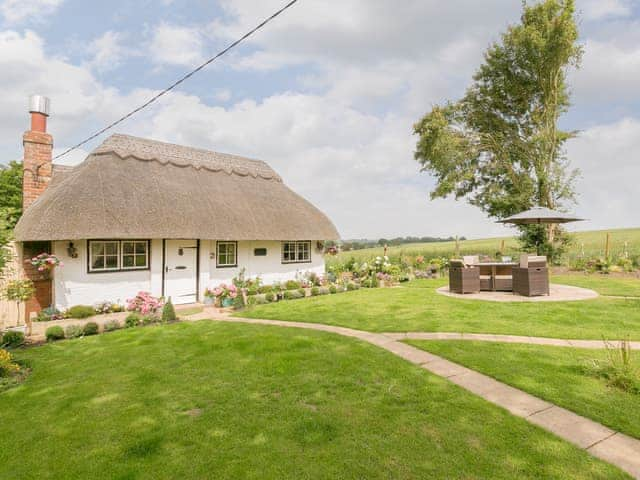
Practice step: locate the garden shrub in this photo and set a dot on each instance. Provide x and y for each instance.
(7, 365)
(352, 286)
(302, 292)
(81, 311)
(12, 339)
(149, 319)
(293, 294)
(252, 290)
(315, 291)
(73, 331)
(269, 297)
(54, 333)
(168, 312)
(370, 282)
(324, 291)
(238, 301)
(91, 328)
(259, 299)
(333, 289)
(266, 289)
(144, 303)
(292, 285)
(112, 325)
(132, 320)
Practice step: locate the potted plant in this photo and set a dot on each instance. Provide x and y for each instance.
(209, 296)
(225, 294)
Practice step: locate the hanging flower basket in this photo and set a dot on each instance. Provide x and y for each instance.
(44, 263)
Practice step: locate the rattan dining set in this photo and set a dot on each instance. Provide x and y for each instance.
(528, 277)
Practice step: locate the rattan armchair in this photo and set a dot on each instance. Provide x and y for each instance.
(531, 277)
(463, 278)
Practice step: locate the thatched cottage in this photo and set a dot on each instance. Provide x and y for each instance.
(141, 215)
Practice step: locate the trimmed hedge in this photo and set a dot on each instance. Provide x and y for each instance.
(293, 294)
(73, 331)
(91, 328)
(81, 311)
(54, 333)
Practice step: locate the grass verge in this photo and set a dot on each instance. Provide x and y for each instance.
(560, 375)
(417, 307)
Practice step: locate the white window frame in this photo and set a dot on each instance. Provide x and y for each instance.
(226, 243)
(134, 254)
(298, 246)
(120, 254)
(90, 245)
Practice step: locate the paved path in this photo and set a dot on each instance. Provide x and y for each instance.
(489, 337)
(600, 441)
(557, 293)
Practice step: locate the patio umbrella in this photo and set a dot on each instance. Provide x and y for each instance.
(540, 216)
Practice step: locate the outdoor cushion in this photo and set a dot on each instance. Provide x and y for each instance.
(470, 259)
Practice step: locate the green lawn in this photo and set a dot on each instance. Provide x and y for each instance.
(603, 284)
(557, 374)
(417, 307)
(215, 400)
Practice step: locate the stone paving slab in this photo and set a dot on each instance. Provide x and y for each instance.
(620, 450)
(557, 293)
(602, 442)
(445, 368)
(572, 427)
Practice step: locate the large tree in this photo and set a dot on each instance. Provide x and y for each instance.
(500, 146)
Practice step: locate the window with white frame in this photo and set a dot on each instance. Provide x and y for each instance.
(135, 254)
(296, 252)
(115, 255)
(227, 254)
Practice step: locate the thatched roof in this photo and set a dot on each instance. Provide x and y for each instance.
(131, 187)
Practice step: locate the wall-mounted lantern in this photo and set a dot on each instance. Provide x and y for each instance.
(72, 251)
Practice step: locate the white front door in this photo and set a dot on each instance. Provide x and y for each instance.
(180, 271)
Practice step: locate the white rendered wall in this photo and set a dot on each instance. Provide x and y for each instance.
(73, 285)
(269, 268)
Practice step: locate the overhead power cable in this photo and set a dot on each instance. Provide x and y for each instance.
(177, 82)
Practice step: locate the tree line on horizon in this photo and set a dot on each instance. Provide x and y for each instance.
(361, 243)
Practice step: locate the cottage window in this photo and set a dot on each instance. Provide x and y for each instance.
(104, 256)
(227, 254)
(296, 252)
(116, 255)
(135, 254)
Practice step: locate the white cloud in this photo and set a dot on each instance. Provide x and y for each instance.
(176, 45)
(107, 51)
(610, 72)
(222, 94)
(599, 9)
(16, 11)
(608, 158)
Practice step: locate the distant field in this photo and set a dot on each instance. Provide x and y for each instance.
(591, 243)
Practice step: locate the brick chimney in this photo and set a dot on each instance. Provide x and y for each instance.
(38, 146)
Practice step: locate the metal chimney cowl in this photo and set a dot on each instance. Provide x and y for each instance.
(39, 104)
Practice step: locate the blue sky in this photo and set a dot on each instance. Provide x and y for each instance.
(327, 93)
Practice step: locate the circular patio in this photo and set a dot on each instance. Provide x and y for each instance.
(557, 293)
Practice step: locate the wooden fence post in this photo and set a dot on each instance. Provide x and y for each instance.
(607, 246)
